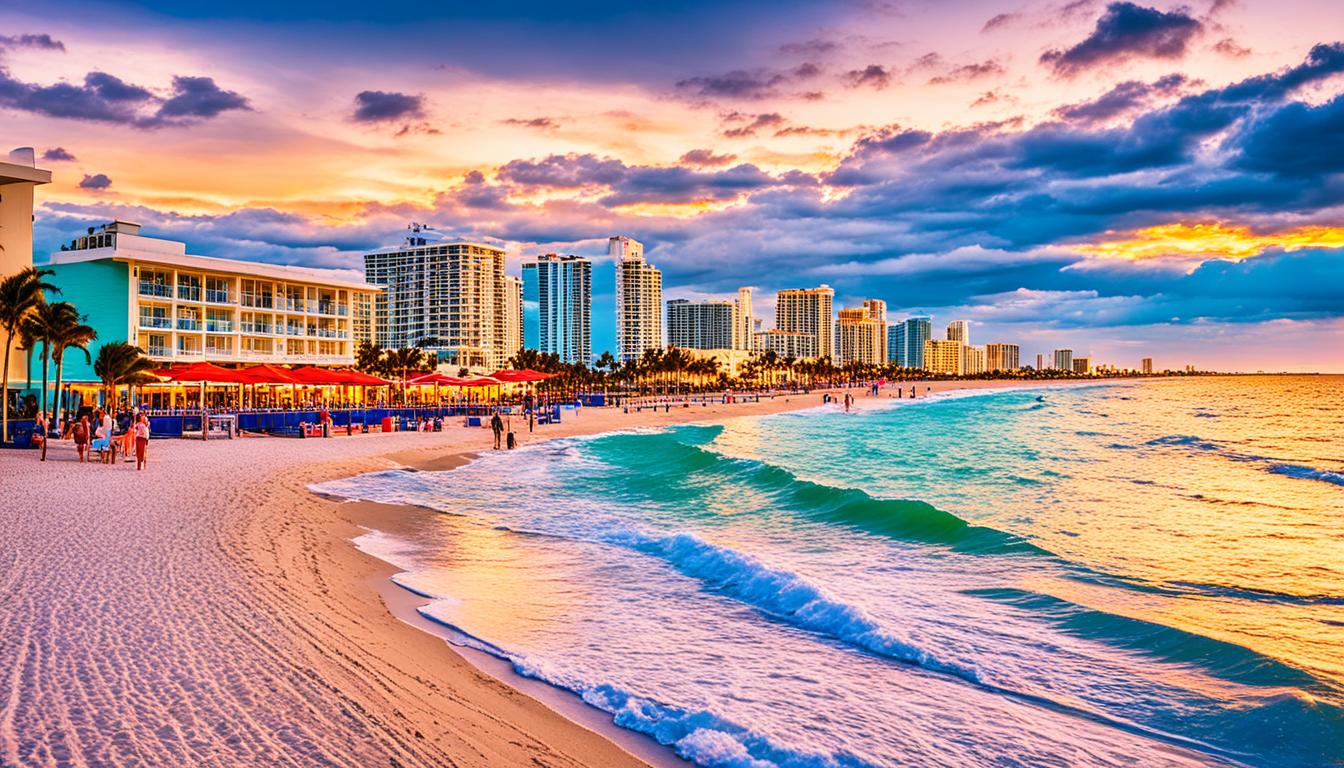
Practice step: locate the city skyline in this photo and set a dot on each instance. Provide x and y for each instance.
(1070, 192)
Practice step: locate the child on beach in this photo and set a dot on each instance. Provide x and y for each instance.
(80, 434)
(141, 431)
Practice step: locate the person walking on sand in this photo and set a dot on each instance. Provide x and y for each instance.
(40, 429)
(80, 433)
(141, 431)
(497, 426)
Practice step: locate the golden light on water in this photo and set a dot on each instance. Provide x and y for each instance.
(1216, 240)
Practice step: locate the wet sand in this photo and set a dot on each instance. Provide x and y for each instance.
(212, 611)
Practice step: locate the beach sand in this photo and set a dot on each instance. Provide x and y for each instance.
(212, 611)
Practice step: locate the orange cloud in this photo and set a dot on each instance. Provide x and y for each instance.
(1209, 241)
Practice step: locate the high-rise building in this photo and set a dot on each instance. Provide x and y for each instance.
(1147, 365)
(861, 334)
(449, 298)
(639, 299)
(1064, 360)
(808, 310)
(513, 315)
(908, 351)
(1082, 365)
(796, 344)
(943, 356)
(701, 324)
(563, 287)
(959, 330)
(1001, 357)
(18, 177)
(972, 360)
(1040, 361)
(178, 307)
(896, 344)
(745, 325)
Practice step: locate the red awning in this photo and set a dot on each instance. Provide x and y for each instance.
(205, 372)
(430, 379)
(481, 381)
(359, 378)
(271, 374)
(316, 377)
(521, 376)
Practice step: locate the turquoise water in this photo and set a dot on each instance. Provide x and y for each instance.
(1130, 574)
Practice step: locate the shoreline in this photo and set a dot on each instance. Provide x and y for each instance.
(404, 603)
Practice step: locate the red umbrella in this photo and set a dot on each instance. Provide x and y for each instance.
(520, 377)
(270, 374)
(314, 376)
(205, 372)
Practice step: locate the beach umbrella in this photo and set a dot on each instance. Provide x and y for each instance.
(523, 376)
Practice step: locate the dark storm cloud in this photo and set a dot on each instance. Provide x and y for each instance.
(1296, 140)
(387, 106)
(96, 181)
(1127, 31)
(57, 154)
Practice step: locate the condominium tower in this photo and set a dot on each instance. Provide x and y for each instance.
(808, 311)
(944, 356)
(1002, 357)
(1146, 365)
(959, 330)
(746, 321)
(1064, 360)
(563, 287)
(513, 315)
(905, 343)
(450, 298)
(639, 299)
(861, 334)
(702, 324)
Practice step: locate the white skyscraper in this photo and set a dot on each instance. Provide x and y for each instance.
(639, 299)
(746, 322)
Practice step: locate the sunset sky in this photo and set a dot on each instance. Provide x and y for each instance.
(1124, 179)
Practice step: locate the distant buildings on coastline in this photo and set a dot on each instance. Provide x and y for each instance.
(639, 300)
(563, 287)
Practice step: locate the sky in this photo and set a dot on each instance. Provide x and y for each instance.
(1124, 179)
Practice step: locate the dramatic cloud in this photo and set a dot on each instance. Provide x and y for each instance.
(107, 98)
(706, 158)
(42, 41)
(1298, 140)
(96, 181)
(57, 154)
(1121, 99)
(1127, 31)
(967, 72)
(871, 76)
(387, 106)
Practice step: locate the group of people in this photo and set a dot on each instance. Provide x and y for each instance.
(98, 434)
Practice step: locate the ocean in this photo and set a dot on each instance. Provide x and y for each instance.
(1133, 573)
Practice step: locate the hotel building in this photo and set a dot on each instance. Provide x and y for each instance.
(639, 299)
(450, 298)
(959, 330)
(513, 315)
(746, 321)
(702, 324)
(1064, 359)
(1082, 365)
(944, 356)
(183, 308)
(563, 287)
(1002, 357)
(905, 341)
(1146, 365)
(973, 360)
(808, 311)
(18, 177)
(861, 334)
(802, 346)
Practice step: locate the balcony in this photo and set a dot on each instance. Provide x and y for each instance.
(218, 351)
(183, 352)
(158, 350)
(188, 293)
(188, 324)
(160, 290)
(258, 300)
(217, 297)
(262, 328)
(294, 305)
(295, 330)
(219, 326)
(154, 321)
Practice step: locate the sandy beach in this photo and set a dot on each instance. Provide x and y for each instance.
(213, 611)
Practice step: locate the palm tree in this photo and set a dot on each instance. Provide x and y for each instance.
(368, 357)
(61, 327)
(122, 365)
(20, 294)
